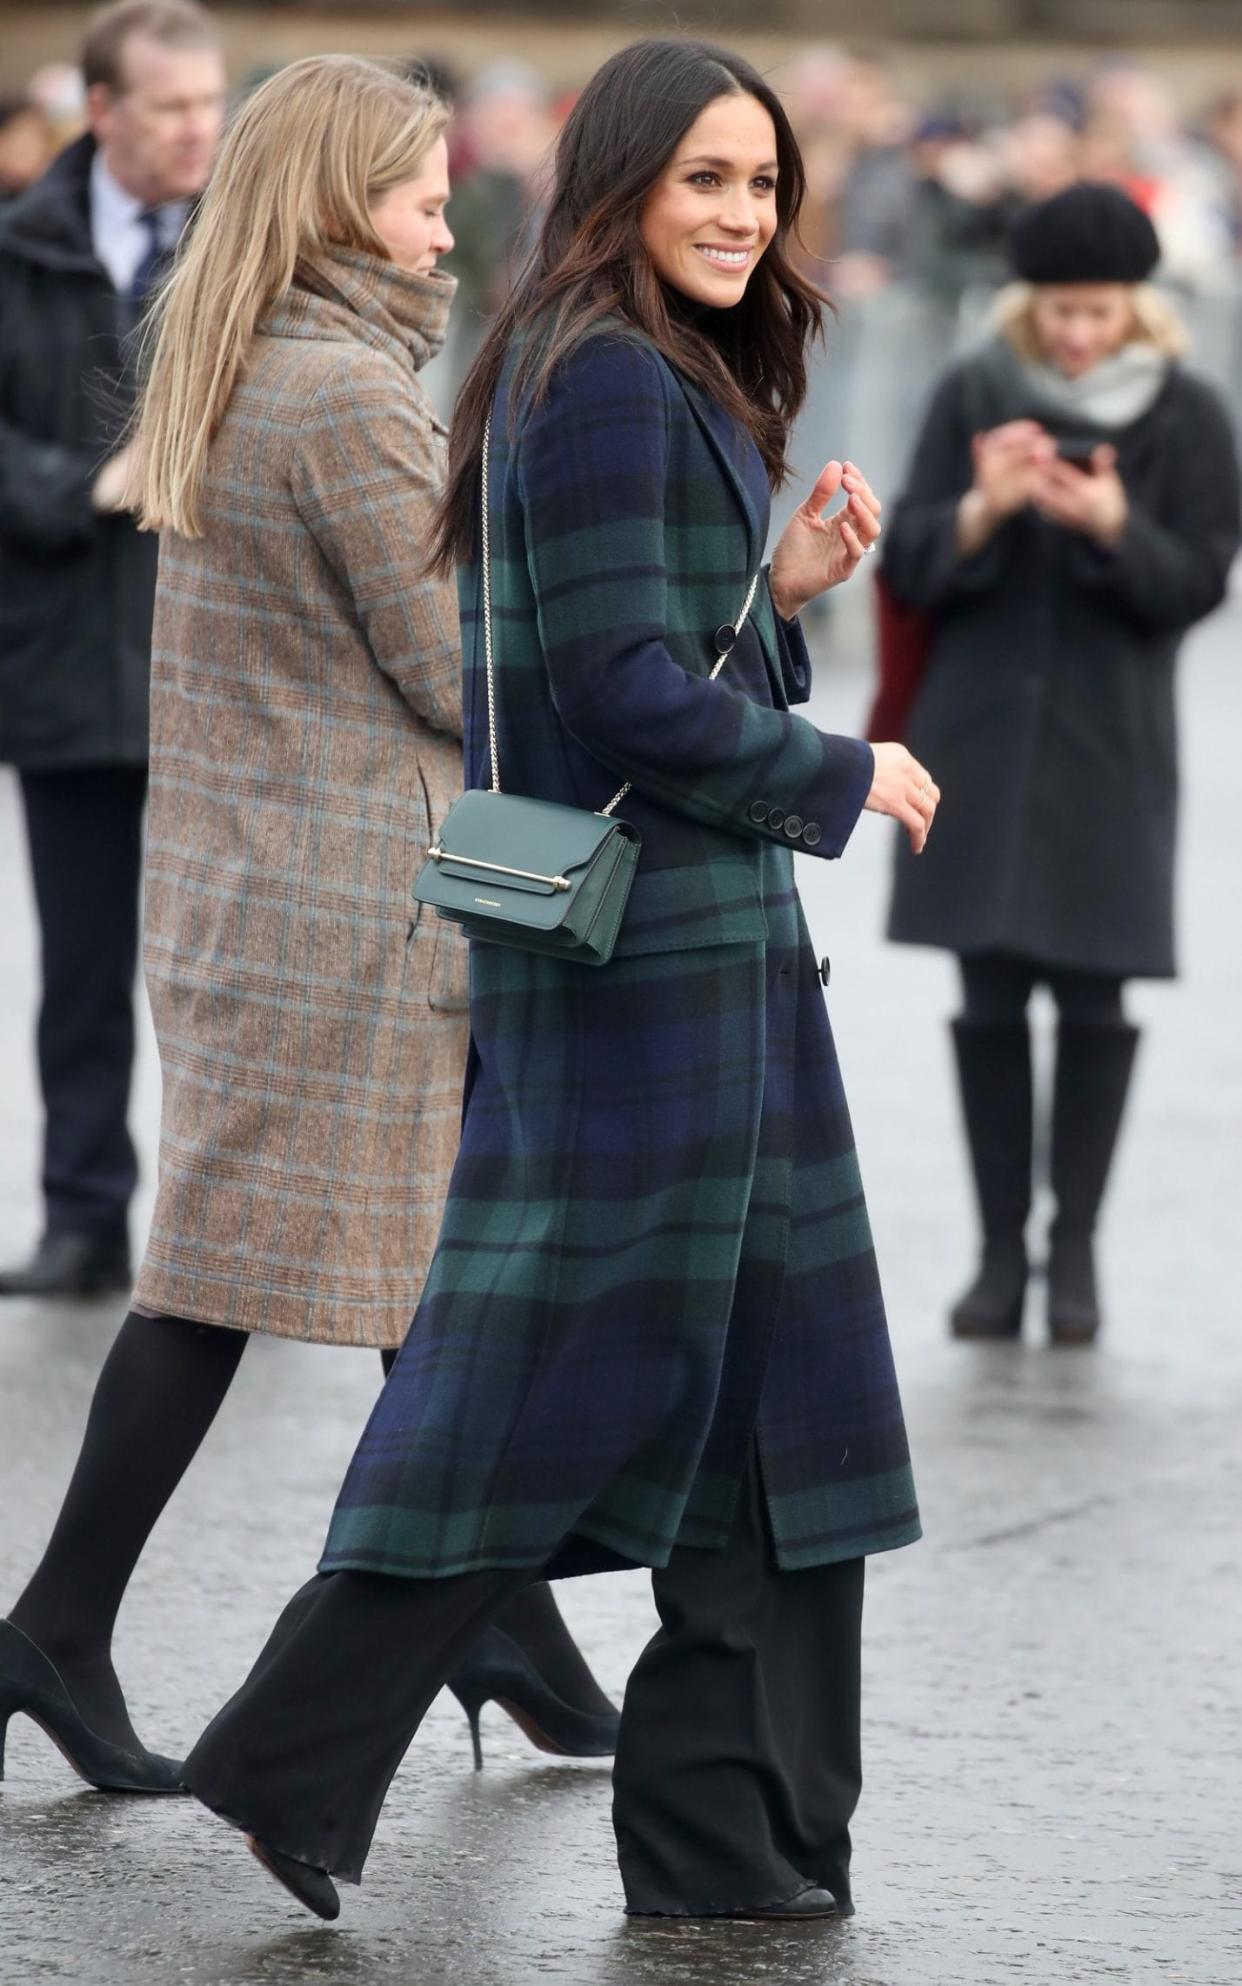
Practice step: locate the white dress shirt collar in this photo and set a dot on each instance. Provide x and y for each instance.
(118, 233)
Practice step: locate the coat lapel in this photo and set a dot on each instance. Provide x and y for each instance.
(728, 444)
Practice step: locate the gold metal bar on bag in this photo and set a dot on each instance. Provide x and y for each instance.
(497, 868)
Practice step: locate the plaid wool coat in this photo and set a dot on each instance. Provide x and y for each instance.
(305, 718)
(656, 1250)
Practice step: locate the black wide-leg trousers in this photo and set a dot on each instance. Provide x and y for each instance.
(738, 1765)
(84, 826)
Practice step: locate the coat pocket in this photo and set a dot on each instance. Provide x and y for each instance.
(448, 990)
(437, 963)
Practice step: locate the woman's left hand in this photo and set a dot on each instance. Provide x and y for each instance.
(816, 552)
(1092, 502)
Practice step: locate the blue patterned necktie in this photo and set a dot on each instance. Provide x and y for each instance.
(151, 266)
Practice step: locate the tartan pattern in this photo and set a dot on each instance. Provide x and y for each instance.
(305, 710)
(655, 1245)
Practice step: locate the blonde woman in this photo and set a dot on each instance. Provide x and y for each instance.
(1071, 511)
(305, 744)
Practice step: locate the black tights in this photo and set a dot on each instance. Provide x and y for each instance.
(996, 987)
(161, 1387)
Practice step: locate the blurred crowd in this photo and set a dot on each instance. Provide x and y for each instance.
(900, 188)
(909, 205)
(929, 192)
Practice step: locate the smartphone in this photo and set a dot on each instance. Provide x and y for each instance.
(1079, 454)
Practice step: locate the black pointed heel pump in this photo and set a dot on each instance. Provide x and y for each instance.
(30, 1684)
(498, 1670)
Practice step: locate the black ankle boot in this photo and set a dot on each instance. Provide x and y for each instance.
(1094, 1068)
(994, 1077)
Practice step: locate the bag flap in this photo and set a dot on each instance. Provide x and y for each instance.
(496, 899)
(539, 836)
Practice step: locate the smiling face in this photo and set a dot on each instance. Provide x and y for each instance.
(712, 212)
(409, 218)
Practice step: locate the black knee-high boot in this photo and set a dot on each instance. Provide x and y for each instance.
(994, 1077)
(1093, 1071)
(159, 1391)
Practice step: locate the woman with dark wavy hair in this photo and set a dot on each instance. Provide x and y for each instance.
(653, 1332)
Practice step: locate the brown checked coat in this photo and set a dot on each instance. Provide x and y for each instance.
(306, 710)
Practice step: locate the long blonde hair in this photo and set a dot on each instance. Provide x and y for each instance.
(303, 158)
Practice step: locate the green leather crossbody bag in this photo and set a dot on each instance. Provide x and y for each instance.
(533, 873)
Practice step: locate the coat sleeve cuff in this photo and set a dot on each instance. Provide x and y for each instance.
(795, 661)
(793, 658)
(852, 775)
(827, 807)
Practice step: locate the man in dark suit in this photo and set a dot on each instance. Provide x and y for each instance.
(80, 253)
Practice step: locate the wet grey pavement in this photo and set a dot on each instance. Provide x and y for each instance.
(1053, 1714)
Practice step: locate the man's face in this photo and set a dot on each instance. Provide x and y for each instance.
(159, 131)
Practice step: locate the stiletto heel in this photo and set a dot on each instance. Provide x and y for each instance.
(472, 1710)
(498, 1670)
(30, 1683)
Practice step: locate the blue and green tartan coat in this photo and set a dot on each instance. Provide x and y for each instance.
(656, 1249)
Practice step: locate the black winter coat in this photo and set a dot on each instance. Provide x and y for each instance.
(1047, 711)
(76, 589)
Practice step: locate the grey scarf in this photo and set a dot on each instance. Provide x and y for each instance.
(1113, 394)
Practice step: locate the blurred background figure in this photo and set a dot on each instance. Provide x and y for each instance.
(27, 145)
(1071, 512)
(875, 192)
(80, 252)
(60, 92)
(500, 154)
(1133, 136)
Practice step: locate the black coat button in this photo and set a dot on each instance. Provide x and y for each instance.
(812, 834)
(759, 812)
(793, 826)
(825, 970)
(724, 637)
(776, 820)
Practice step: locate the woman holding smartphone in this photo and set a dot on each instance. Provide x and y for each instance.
(653, 1331)
(1071, 511)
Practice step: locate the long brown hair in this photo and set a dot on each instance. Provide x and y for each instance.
(303, 159)
(590, 262)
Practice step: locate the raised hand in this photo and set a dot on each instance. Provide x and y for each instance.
(816, 552)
